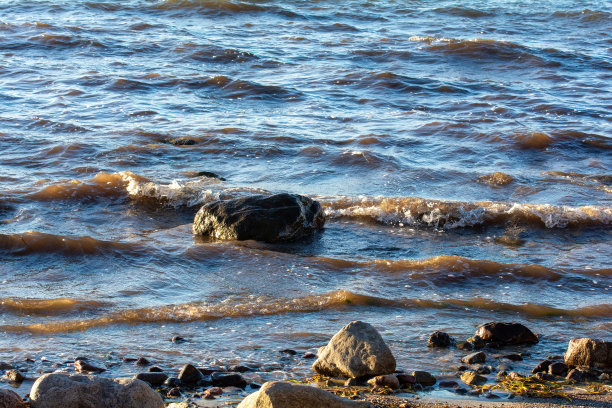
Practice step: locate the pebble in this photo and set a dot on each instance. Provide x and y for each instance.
(288, 351)
(390, 381)
(228, 380)
(464, 345)
(474, 358)
(576, 375)
(439, 339)
(155, 369)
(142, 362)
(173, 382)
(483, 370)
(544, 376)
(406, 379)
(240, 368)
(472, 378)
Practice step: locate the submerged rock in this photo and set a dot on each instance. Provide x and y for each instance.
(589, 352)
(276, 218)
(10, 399)
(439, 339)
(279, 394)
(506, 333)
(357, 350)
(62, 390)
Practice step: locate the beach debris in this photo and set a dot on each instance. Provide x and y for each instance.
(506, 333)
(62, 390)
(278, 394)
(275, 218)
(357, 350)
(589, 352)
(439, 339)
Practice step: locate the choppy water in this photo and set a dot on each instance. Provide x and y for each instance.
(461, 151)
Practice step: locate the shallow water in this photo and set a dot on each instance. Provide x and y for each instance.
(462, 154)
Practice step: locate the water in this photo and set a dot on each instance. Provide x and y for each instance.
(461, 153)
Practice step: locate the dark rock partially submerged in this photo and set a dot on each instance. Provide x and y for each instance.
(276, 218)
(506, 333)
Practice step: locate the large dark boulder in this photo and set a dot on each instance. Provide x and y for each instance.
(276, 218)
(506, 333)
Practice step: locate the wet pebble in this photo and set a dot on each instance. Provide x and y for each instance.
(155, 369)
(309, 354)
(81, 366)
(514, 357)
(155, 378)
(177, 339)
(474, 358)
(228, 380)
(288, 351)
(142, 362)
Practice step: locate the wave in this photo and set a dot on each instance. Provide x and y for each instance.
(39, 242)
(46, 307)
(415, 211)
(223, 7)
(597, 182)
(215, 54)
(464, 12)
(193, 312)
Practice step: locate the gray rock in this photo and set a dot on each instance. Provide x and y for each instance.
(475, 358)
(472, 378)
(279, 394)
(357, 350)
(589, 352)
(506, 333)
(10, 399)
(189, 374)
(62, 390)
(276, 218)
(154, 378)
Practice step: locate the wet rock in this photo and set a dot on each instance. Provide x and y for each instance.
(514, 357)
(288, 351)
(472, 378)
(228, 380)
(10, 399)
(448, 384)
(209, 174)
(309, 355)
(501, 375)
(557, 369)
(462, 368)
(439, 339)
(155, 369)
(174, 392)
(15, 376)
(514, 375)
(180, 141)
(276, 218)
(605, 377)
(62, 390)
(544, 376)
(464, 345)
(424, 378)
(589, 352)
(255, 386)
(491, 396)
(576, 375)
(177, 339)
(279, 394)
(477, 342)
(504, 367)
(5, 366)
(406, 379)
(483, 369)
(208, 370)
(474, 358)
(81, 366)
(240, 368)
(154, 378)
(142, 362)
(173, 382)
(460, 391)
(351, 382)
(506, 333)
(357, 350)
(189, 374)
(388, 380)
(542, 367)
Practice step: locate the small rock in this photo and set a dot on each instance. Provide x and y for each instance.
(240, 368)
(288, 351)
(557, 369)
(460, 391)
(464, 345)
(351, 382)
(544, 376)
(208, 370)
(81, 366)
(15, 376)
(228, 380)
(154, 378)
(448, 384)
(5, 366)
(477, 342)
(589, 352)
(576, 375)
(174, 392)
(462, 368)
(406, 379)
(180, 141)
(279, 394)
(506, 333)
(501, 375)
(189, 374)
(155, 369)
(439, 339)
(542, 367)
(424, 378)
(474, 358)
(514, 375)
(504, 367)
(142, 362)
(388, 380)
(483, 370)
(491, 396)
(472, 378)
(177, 339)
(254, 386)
(124, 359)
(474, 392)
(605, 377)
(309, 354)
(173, 382)
(10, 399)
(357, 350)
(514, 357)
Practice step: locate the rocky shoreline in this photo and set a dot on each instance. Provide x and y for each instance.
(355, 369)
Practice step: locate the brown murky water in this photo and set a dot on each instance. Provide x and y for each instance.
(461, 153)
